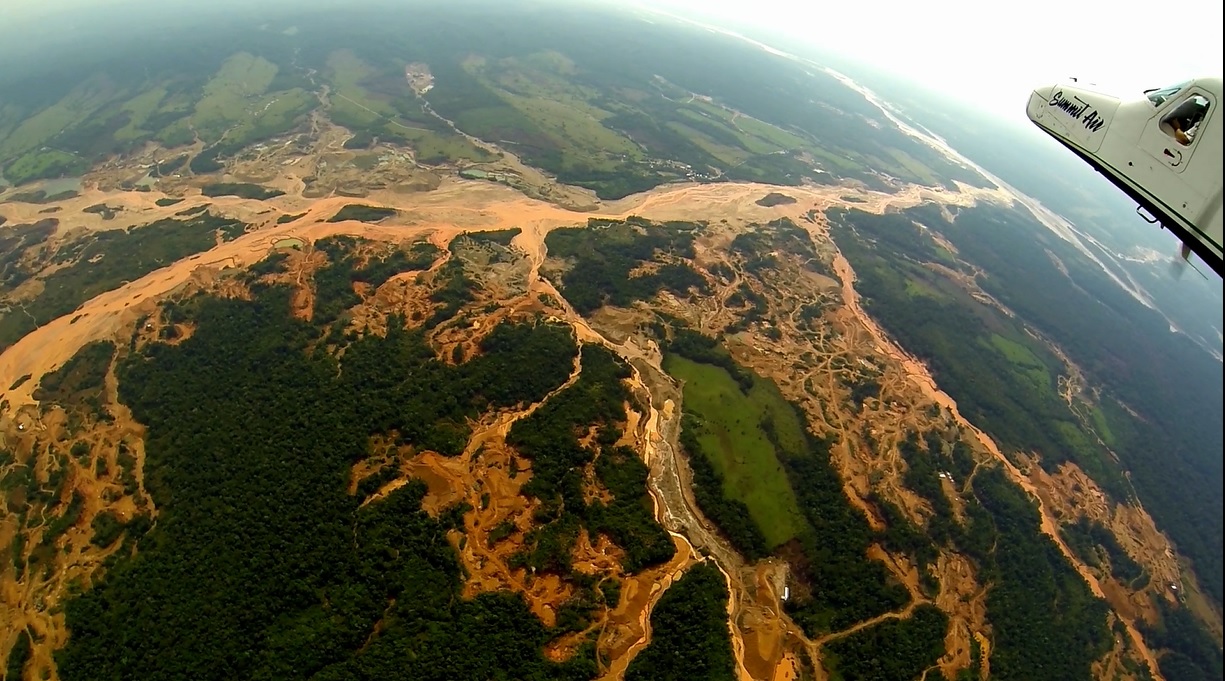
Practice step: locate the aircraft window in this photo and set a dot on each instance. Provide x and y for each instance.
(1160, 95)
(1184, 121)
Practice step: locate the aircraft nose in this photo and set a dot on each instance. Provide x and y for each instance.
(1038, 100)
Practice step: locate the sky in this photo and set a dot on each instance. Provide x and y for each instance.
(992, 55)
(988, 55)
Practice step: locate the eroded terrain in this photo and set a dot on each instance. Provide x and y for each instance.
(809, 336)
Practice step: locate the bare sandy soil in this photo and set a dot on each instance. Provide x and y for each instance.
(767, 644)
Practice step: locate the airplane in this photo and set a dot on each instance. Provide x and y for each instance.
(1162, 149)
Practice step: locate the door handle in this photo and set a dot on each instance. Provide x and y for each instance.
(1175, 155)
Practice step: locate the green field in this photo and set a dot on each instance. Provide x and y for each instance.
(1025, 361)
(739, 446)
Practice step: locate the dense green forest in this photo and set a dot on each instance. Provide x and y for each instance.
(1045, 621)
(603, 256)
(1044, 618)
(893, 649)
(244, 190)
(1004, 380)
(690, 640)
(550, 439)
(1191, 653)
(261, 565)
(18, 656)
(362, 213)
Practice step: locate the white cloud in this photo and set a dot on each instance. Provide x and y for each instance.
(993, 54)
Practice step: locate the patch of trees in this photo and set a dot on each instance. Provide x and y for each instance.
(104, 211)
(1045, 619)
(775, 199)
(194, 210)
(901, 536)
(609, 185)
(209, 159)
(103, 261)
(730, 515)
(334, 292)
(757, 247)
(167, 202)
(39, 196)
(15, 240)
(361, 139)
(240, 189)
(690, 640)
(360, 213)
(922, 476)
(261, 566)
(892, 649)
(404, 389)
(452, 294)
(168, 168)
(107, 528)
(757, 307)
(502, 237)
(843, 586)
(1085, 536)
(18, 656)
(1191, 653)
(628, 518)
(80, 382)
(607, 252)
(286, 219)
(550, 438)
(702, 348)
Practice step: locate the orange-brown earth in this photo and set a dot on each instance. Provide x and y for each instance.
(809, 365)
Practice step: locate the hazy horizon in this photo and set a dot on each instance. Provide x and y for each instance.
(952, 47)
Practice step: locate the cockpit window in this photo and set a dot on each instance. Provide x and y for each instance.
(1160, 95)
(1184, 121)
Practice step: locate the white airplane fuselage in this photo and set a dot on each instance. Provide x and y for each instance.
(1175, 178)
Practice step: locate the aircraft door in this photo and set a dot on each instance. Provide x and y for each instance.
(1172, 134)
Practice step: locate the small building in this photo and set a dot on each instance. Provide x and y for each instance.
(786, 593)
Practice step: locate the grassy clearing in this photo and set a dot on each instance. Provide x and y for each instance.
(915, 168)
(44, 164)
(915, 287)
(585, 138)
(836, 160)
(139, 109)
(1102, 425)
(346, 72)
(228, 97)
(272, 115)
(39, 129)
(726, 154)
(718, 122)
(734, 436)
(1026, 362)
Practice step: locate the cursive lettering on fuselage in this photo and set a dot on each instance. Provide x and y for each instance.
(1079, 110)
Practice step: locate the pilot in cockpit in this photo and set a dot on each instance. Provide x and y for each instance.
(1183, 123)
